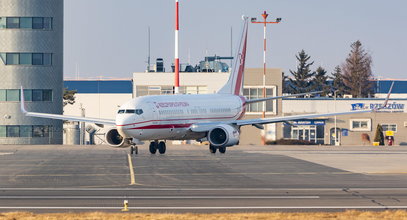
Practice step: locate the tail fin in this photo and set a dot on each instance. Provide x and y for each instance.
(235, 83)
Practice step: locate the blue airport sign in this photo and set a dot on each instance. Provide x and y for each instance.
(307, 122)
(390, 107)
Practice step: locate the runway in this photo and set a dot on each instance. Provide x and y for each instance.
(190, 179)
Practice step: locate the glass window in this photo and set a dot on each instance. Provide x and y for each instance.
(13, 22)
(130, 111)
(26, 23)
(139, 111)
(40, 131)
(47, 59)
(3, 57)
(202, 90)
(13, 131)
(25, 58)
(48, 23)
(28, 95)
(13, 95)
(26, 131)
(38, 23)
(37, 59)
(360, 125)
(121, 111)
(37, 95)
(389, 127)
(3, 131)
(47, 95)
(2, 22)
(2, 95)
(12, 59)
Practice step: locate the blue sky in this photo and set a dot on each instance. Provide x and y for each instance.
(109, 37)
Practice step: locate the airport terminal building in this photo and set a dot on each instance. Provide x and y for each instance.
(102, 98)
(31, 55)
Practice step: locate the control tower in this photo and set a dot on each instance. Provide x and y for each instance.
(31, 52)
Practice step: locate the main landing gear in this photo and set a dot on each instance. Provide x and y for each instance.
(160, 146)
(213, 149)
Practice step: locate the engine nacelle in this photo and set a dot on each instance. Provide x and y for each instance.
(224, 136)
(114, 139)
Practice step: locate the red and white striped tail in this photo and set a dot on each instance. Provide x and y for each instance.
(235, 83)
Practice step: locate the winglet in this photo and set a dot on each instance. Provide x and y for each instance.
(23, 110)
(387, 97)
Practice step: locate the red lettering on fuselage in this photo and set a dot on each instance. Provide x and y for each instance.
(171, 104)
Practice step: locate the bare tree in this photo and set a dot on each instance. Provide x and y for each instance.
(357, 71)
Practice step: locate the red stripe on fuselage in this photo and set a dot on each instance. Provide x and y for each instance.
(163, 126)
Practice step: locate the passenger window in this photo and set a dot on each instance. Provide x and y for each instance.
(139, 111)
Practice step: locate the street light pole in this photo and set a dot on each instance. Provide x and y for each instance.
(336, 134)
(254, 21)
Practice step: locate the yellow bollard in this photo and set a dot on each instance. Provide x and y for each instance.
(126, 206)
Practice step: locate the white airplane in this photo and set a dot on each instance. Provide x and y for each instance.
(216, 118)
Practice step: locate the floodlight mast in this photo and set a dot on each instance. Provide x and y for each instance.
(265, 22)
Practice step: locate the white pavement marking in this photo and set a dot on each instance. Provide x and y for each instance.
(4, 154)
(197, 189)
(159, 197)
(207, 208)
(132, 177)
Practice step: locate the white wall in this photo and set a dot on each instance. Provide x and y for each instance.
(298, 106)
(213, 81)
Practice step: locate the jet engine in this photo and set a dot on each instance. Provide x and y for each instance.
(224, 136)
(114, 139)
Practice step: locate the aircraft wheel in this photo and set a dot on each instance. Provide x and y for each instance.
(153, 148)
(131, 149)
(222, 150)
(161, 147)
(212, 149)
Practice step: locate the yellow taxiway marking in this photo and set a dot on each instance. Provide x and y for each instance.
(132, 177)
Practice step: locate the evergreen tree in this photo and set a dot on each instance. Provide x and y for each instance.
(338, 84)
(320, 82)
(357, 72)
(285, 84)
(303, 75)
(379, 136)
(69, 97)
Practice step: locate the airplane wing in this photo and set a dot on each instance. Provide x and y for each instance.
(258, 122)
(280, 97)
(63, 117)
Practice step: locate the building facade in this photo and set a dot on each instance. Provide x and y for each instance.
(31, 51)
(350, 129)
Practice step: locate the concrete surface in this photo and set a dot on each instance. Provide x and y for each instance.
(190, 179)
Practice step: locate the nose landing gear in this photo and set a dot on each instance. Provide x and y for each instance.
(133, 149)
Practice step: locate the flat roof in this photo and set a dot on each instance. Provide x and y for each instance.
(100, 86)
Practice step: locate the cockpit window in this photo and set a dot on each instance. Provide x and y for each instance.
(139, 111)
(130, 111)
(121, 111)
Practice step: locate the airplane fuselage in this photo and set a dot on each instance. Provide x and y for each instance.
(169, 117)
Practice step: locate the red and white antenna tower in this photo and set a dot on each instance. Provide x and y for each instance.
(176, 88)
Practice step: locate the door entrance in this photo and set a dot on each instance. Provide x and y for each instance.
(305, 132)
(333, 136)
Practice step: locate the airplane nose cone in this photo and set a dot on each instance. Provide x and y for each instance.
(123, 122)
